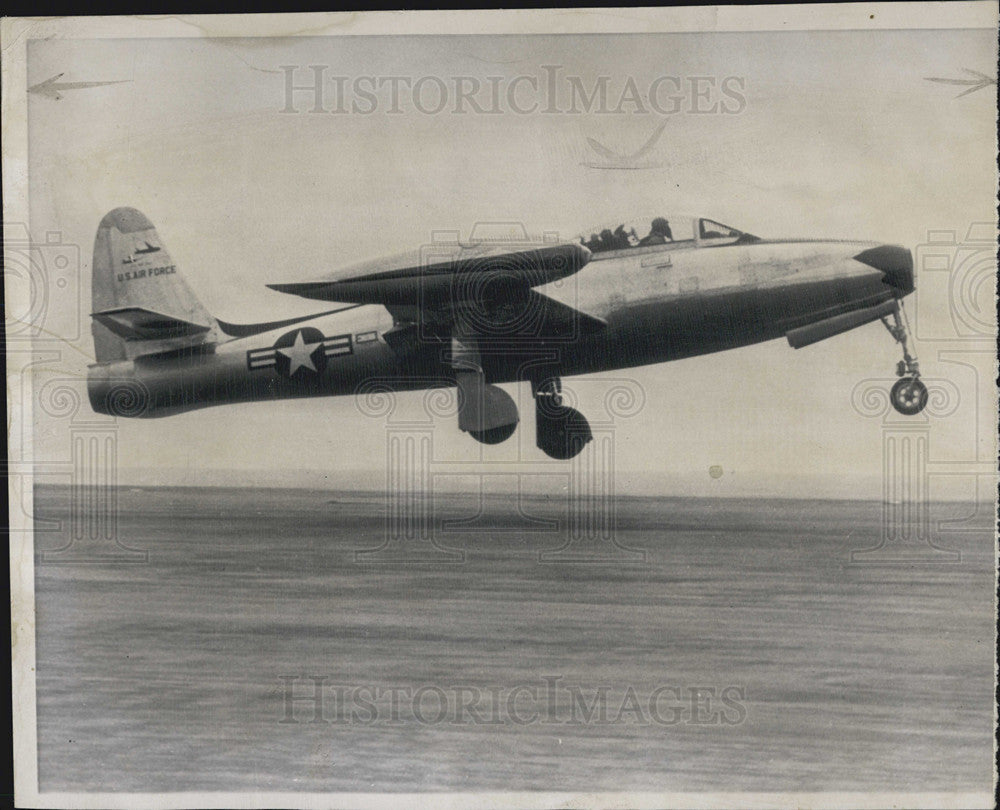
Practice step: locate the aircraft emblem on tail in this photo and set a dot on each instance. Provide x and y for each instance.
(302, 351)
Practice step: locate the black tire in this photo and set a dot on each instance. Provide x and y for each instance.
(494, 435)
(909, 396)
(563, 434)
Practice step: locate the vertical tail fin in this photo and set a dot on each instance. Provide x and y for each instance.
(141, 304)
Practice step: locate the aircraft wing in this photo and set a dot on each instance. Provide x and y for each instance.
(488, 282)
(448, 270)
(560, 320)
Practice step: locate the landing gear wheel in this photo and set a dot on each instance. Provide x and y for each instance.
(494, 435)
(561, 432)
(909, 396)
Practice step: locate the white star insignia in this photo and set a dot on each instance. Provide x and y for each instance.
(299, 354)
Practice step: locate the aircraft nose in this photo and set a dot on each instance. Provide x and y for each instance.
(895, 262)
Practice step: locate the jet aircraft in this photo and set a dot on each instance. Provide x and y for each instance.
(477, 313)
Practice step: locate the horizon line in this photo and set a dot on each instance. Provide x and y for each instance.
(499, 494)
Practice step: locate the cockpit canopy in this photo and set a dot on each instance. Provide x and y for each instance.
(663, 230)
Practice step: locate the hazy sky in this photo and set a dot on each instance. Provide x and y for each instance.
(838, 135)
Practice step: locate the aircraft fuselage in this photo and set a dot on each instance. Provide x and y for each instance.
(659, 303)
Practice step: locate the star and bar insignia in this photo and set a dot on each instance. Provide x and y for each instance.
(303, 352)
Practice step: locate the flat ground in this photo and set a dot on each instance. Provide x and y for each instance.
(780, 664)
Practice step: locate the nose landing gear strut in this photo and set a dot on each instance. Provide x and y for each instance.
(909, 394)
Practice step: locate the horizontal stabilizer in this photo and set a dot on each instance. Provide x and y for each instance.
(135, 323)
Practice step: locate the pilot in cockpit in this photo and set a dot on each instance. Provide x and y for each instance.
(608, 241)
(624, 239)
(619, 239)
(659, 233)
